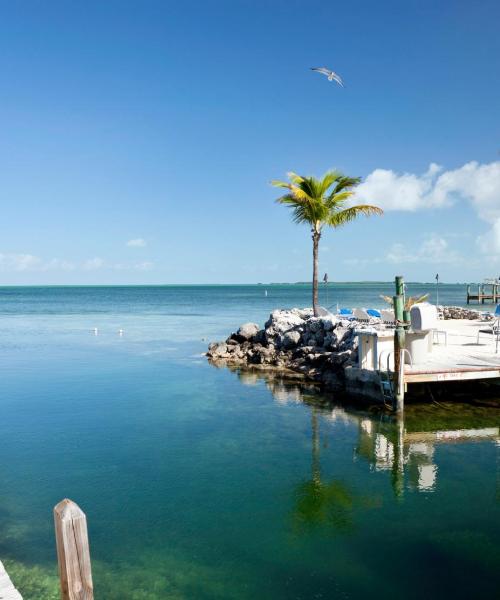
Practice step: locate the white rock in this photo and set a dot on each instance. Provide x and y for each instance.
(248, 330)
(290, 339)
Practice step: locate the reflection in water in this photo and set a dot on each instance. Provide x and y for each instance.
(410, 455)
(403, 446)
(319, 503)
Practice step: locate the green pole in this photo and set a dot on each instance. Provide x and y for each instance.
(399, 344)
(400, 285)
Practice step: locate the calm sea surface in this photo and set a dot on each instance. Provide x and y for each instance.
(201, 483)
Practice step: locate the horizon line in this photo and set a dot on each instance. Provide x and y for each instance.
(274, 283)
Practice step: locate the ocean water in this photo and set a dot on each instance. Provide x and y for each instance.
(205, 483)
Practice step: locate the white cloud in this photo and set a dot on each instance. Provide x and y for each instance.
(10, 262)
(92, 264)
(136, 243)
(20, 262)
(135, 266)
(30, 262)
(58, 264)
(434, 249)
(144, 266)
(489, 242)
(473, 183)
(406, 191)
(478, 184)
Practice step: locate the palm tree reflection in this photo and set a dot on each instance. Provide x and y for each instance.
(327, 504)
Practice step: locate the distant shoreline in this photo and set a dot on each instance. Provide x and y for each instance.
(160, 285)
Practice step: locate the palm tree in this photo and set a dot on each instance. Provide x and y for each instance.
(322, 203)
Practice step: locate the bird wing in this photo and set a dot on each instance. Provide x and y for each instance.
(338, 79)
(323, 70)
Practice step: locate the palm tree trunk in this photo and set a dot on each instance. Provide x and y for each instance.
(315, 237)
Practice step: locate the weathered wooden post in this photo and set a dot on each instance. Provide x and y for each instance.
(73, 553)
(399, 345)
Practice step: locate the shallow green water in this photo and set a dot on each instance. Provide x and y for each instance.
(203, 483)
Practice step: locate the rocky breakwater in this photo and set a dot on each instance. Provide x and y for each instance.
(293, 342)
(459, 312)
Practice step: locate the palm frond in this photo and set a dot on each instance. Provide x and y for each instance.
(294, 178)
(282, 184)
(309, 185)
(302, 214)
(387, 299)
(328, 179)
(411, 300)
(302, 210)
(342, 217)
(302, 192)
(290, 199)
(295, 190)
(345, 182)
(337, 200)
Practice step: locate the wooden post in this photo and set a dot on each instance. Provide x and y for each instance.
(73, 553)
(399, 344)
(468, 294)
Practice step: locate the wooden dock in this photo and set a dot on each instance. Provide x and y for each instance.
(487, 293)
(464, 350)
(7, 589)
(462, 359)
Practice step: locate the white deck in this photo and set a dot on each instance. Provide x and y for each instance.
(462, 358)
(7, 589)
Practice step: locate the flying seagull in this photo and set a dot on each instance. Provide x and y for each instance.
(332, 76)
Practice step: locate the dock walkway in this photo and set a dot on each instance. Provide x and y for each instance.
(7, 589)
(462, 359)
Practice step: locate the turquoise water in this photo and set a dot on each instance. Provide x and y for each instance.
(204, 483)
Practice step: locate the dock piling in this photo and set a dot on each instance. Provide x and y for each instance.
(487, 293)
(399, 345)
(73, 554)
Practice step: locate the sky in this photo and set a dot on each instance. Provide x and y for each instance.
(138, 139)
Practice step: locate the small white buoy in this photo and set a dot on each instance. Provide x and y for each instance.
(96, 331)
(265, 293)
(120, 332)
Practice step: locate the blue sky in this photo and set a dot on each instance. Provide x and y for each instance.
(138, 139)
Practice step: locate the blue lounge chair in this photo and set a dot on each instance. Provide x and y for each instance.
(346, 313)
